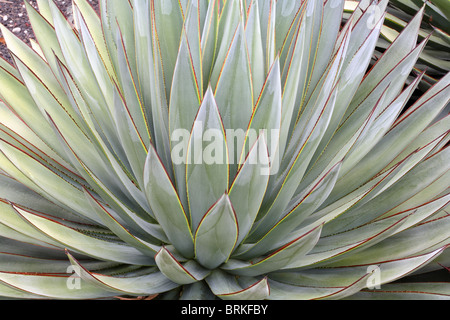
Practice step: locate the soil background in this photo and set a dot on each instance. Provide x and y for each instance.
(13, 15)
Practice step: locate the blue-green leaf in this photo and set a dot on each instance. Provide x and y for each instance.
(249, 187)
(166, 205)
(207, 165)
(186, 273)
(227, 288)
(217, 234)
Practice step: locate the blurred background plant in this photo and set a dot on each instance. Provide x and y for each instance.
(435, 59)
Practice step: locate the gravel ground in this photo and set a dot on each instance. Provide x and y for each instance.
(13, 15)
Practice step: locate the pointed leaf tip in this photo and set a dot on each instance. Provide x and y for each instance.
(217, 234)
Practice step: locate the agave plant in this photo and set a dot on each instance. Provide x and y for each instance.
(231, 149)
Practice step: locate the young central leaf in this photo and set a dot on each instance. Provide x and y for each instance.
(207, 165)
(216, 235)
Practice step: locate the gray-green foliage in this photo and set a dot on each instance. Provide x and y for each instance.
(357, 191)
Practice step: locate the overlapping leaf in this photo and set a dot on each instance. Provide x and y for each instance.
(226, 149)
